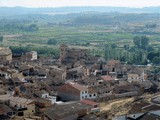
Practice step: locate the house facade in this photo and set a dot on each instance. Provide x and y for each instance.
(5, 55)
(70, 54)
(72, 92)
(23, 106)
(32, 55)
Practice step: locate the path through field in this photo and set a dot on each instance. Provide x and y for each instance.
(117, 105)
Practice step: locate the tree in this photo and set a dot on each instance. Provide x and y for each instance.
(151, 25)
(141, 42)
(156, 60)
(113, 46)
(137, 41)
(144, 42)
(150, 48)
(152, 56)
(52, 41)
(1, 38)
(32, 27)
(126, 47)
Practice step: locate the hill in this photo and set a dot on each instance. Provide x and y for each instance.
(66, 10)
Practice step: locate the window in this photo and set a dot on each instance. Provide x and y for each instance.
(90, 95)
(85, 91)
(85, 96)
(94, 95)
(82, 97)
(82, 92)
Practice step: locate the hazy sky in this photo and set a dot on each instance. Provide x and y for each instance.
(60, 3)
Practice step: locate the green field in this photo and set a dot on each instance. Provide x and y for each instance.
(91, 31)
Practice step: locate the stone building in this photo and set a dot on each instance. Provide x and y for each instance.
(57, 73)
(5, 55)
(113, 65)
(72, 92)
(23, 107)
(29, 56)
(70, 55)
(69, 111)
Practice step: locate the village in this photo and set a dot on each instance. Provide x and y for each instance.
(76, 86)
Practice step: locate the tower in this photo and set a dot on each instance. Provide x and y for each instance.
(63, 52)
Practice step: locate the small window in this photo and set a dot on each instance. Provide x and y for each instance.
(94, 95)
(90, 95)
(85, 91)
(82, 92)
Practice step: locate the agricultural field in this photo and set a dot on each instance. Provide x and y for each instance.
(109, 35)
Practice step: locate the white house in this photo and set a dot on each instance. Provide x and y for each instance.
(72, 92)
(44, 94)
(32, 55)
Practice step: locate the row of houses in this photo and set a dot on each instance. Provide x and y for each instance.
(47, 85)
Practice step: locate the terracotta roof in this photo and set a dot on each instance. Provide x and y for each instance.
(135, 70)
(137, 107)
(67, 109)
(89, 102)
(78, 69)
(133, 75)
(16, 99)
(91, 90)
(4, 109)
(113, 62)
(5, 51)
(90, 117)
(57, 69)
(78, 86)
(152, 107)
(107, 77)
(146, 84)
(41, 102)
(150, 116)
(40, 92)
(25, 67)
